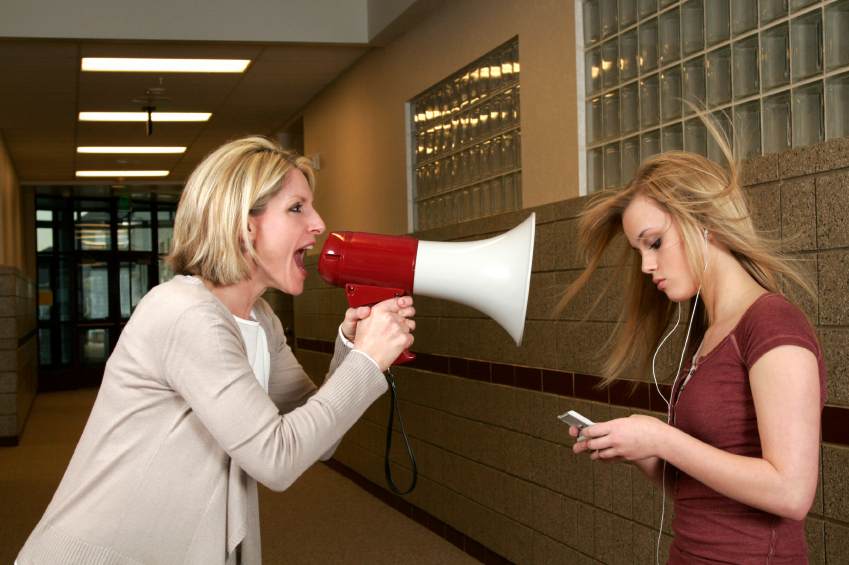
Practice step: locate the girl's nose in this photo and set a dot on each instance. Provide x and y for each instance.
(649, 265)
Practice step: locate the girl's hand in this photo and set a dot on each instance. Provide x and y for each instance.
(625, 439)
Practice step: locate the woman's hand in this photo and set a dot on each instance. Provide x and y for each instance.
(352, 318)
(384, 332)
(624, 439)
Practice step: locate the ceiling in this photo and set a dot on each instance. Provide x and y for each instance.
(43, 90)
(296, 49)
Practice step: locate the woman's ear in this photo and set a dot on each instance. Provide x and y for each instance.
(252, 228)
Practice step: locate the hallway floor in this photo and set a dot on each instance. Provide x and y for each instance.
(323, 518)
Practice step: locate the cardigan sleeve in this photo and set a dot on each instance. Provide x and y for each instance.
(289, 386)
(204, 361)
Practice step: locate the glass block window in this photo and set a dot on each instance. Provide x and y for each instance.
(777, 71)
(466, 156)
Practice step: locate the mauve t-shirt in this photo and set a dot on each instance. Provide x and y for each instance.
(716, 407)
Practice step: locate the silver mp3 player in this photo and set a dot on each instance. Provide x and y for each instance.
(574, 419)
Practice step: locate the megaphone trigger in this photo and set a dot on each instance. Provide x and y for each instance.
(365, 295)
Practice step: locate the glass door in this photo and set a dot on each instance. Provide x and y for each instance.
(95, 320)
(97, 258)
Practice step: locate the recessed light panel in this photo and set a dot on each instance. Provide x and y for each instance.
(131, 149)
(142, 116)
(165, 65)
(122, 174)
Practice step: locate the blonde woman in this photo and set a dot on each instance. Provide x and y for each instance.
(740, 451)
(202, 396)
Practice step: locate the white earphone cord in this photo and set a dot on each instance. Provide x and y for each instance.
(669, 402)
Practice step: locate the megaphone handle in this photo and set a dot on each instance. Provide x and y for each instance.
(405, 357)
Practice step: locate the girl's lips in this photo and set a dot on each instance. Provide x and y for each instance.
(661, 283)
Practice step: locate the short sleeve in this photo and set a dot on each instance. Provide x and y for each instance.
(772, 322)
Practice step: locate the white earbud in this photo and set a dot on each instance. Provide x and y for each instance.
(669, 403)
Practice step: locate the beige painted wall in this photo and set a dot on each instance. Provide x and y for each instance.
(11, 250)
(358, 126)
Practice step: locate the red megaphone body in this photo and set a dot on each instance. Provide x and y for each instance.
(349, 259)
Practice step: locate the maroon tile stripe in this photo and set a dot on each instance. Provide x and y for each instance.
(437, 526)
(629, 394)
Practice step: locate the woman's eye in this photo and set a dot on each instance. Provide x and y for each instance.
(656, 244)
(296, 208)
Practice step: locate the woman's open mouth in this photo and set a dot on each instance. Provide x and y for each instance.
(299, 258)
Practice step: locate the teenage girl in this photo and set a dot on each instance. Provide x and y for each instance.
(739, 454)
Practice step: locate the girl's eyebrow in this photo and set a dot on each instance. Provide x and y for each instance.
(644, 231)
(662, 231)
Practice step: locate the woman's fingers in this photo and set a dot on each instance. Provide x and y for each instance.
(402, 306)
(387, 331)
(352, 318)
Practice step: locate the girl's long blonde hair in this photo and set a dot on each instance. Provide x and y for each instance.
(698, 194)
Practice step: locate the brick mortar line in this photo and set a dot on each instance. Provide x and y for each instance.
(827, 520)
(536, 531)
(805, 176)
(413, 506)
(630, 519)
(639, 410)
(838, 407)
(577, 500)
(534, 483)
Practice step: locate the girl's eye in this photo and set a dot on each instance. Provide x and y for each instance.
(296, 208)
(656, 244)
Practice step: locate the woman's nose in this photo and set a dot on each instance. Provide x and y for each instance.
(317, 225)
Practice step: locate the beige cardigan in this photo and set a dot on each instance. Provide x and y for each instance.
(164, 471)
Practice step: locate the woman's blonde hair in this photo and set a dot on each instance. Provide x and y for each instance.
(232, 183)
(698, 194)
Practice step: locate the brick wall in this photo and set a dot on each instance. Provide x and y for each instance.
(497, 475)
(18, 352)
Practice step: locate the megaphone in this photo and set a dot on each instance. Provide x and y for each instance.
(491, 275)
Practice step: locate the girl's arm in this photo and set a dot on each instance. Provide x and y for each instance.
(786, 393)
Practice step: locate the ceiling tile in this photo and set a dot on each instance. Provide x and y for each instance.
(317, 80)
(30, 48)
(299, 67)
(38, 81)
(312, 53)
(38, 64)
(170, 50)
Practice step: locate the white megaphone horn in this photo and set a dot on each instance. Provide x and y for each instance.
(492, 275)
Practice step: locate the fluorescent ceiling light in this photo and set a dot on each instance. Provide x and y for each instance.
(142, 116)
(122, 173)
(166, 65)
(131, 149)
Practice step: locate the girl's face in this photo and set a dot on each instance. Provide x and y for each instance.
(282, 234)
(657, 237)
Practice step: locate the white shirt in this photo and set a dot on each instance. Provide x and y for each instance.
(256, 344)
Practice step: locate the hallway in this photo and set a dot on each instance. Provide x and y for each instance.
(323, 518)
